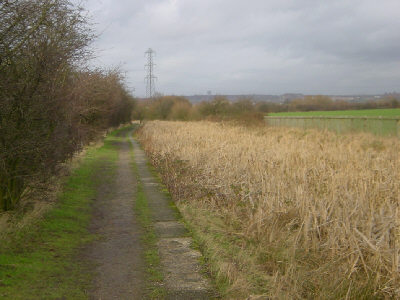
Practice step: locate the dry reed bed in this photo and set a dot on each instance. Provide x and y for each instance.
(324, 207)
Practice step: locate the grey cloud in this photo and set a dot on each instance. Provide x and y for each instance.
(258, 46)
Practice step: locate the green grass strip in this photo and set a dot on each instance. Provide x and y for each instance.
(153, 267)
(42, 261)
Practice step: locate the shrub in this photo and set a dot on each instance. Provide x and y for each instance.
(48, 106)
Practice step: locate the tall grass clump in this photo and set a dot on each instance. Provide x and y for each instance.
(287, 213)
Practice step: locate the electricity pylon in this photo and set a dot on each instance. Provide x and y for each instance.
(150, 86)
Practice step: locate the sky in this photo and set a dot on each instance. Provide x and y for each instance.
(332, 47)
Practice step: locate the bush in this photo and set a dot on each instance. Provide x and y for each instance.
(164, 108)
(48, 107)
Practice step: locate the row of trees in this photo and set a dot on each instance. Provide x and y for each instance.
(245, 110)
(180, 108)
(318, 103)
(220, 108)
(50, 106)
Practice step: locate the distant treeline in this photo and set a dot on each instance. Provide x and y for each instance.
(318, 103)
(50, 105)
(180, 108)
(244, 110)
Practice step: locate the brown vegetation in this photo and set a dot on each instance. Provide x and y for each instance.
(244, 110)
(283, 212)
(49, 108)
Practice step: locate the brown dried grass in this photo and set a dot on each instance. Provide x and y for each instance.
(304, 214)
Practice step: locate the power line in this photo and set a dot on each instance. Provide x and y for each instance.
(150, 86)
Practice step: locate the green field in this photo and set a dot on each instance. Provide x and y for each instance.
(392, 112)
(384, 122)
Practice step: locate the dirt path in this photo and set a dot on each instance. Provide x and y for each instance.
(120, 269)
(118, 254)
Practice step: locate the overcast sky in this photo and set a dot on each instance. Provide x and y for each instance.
(253, 46)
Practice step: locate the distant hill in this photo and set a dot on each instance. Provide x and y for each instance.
(288, 97)
(258, 98)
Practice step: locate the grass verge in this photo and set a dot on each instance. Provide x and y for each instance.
(41, 261)
(208, 261)
(230, 261)
(153, 267)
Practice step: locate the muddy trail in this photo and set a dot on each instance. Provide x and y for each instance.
(118, 255)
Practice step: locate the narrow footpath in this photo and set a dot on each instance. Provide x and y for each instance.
(118, 254)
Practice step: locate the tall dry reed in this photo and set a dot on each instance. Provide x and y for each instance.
(323, 207)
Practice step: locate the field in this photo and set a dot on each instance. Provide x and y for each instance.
(286, 213)
(382, 122)
(394, 112)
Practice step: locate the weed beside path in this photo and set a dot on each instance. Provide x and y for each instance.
(154, 277)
